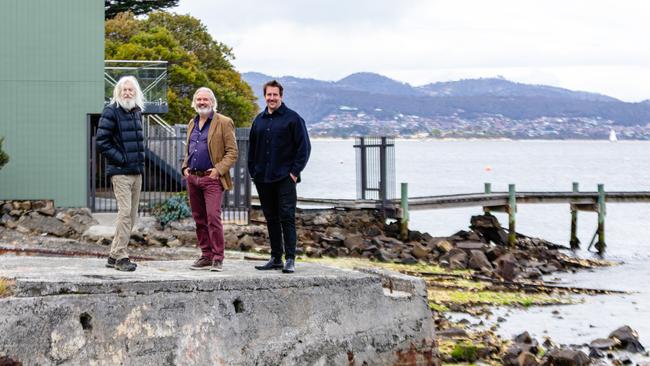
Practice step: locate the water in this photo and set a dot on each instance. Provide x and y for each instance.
(445, 167)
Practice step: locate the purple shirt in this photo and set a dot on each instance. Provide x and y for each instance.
(199, 155)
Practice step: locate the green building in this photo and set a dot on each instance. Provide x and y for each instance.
(51, 82)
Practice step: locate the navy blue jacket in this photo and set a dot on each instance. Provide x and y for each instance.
(279, 145)
(121, 141)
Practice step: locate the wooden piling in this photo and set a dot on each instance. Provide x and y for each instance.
(404, 220)
(512, 208)
(574, 241)
(600, 245)
(487, 189)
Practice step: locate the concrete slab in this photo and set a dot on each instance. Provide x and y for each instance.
(76, 311)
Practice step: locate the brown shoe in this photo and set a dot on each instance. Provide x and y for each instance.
(201, 264)
(217, 266)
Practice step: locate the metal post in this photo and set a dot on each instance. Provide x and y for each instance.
(404, 221)
(600, 245)
(512, 208)
(487, 187)
(574, 241)
(383, 179)
(364, 176)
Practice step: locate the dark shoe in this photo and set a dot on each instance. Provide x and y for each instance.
(125, 265)
(271, 264)
(201, 263)
(289, 266)
(217, 266)
(110, 263)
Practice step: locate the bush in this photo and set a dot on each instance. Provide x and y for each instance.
(4, 158)
(174, 208)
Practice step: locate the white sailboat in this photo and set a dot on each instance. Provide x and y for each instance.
(612, 136)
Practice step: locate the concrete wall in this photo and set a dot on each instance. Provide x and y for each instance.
(319, 316)
(51, 77)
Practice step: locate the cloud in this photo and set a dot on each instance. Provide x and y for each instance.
(420, 39)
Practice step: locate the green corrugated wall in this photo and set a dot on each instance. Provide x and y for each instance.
(51, 78)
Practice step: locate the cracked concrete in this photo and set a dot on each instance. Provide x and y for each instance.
(74, 311)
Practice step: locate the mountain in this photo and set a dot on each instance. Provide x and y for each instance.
(368, 103)
(505, 88)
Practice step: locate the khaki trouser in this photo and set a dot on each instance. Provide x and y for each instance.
(127, 192)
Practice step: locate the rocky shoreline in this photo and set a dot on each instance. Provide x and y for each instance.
(476, 263)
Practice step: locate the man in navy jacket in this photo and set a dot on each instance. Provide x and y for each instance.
(278, 152)
(120, 140)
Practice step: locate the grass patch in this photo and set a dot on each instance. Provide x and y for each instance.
(443, 296)
(6, 286)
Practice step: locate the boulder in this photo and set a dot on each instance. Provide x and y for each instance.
(354, 241)
(527, 359)
(443, 246)
(567, 357)
(629, 339)
(604, 343)
(506, 267)
(246, 243)
(419, 251)
(35, 222)
(471, 245)
(479, 261)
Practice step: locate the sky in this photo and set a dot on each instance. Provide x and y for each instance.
(600, 46)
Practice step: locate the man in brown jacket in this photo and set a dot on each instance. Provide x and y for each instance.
(211, 151)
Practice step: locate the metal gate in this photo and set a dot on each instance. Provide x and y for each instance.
(375, 168)
(164, 153)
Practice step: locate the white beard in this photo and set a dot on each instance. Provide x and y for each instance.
(127, 104)
(203, 111)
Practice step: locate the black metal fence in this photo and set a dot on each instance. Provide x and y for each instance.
(375, 168)
(164, 153)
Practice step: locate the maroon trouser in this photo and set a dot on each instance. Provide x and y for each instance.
(205, 199)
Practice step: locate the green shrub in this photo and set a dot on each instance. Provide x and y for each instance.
(4, 158)
(464, 352)
(174, 208)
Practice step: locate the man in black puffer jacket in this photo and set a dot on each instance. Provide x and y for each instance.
(121, 141)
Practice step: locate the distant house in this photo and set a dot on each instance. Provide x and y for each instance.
(51, 82)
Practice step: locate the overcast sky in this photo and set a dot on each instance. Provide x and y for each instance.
(600, 46)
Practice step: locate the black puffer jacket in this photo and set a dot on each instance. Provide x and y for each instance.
(120, 140)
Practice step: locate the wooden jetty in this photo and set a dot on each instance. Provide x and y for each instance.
(496, 201)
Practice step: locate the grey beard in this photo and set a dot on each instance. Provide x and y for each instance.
(203, 111)
(127, 104)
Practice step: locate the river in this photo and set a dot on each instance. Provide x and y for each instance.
(434, 167)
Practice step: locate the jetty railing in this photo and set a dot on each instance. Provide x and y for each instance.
(498, 202)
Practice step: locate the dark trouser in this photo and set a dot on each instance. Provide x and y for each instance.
(278, 201)
(205, 199)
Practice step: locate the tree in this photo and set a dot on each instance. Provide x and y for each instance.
(137, 7)
(4, 158)
(195, 60)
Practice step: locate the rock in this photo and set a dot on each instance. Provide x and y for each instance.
(531, 274)
(523, 338)
(407, 259)
(175, 243)
(43, 224)
(419, 251)
(527, 359)
(354, 241)
(78, 220)
(321, 220)
(629, 339)
(186, 237)
(452, 333)
(98, 232)
(25, 205)
(507, 267)
(605, 343)
(186, 224)
(146, 224)
(414, 235)
(479, 261)
(47, 208)
(231, 239)
(4, 219)
(443, 246)
(471, 245)
(511, 356)
(455, 259)
(246, 243)
(488, 226)
(567, 357)
(6, 208)
(596, 353)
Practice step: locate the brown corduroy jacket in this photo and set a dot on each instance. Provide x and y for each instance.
(222, 146)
